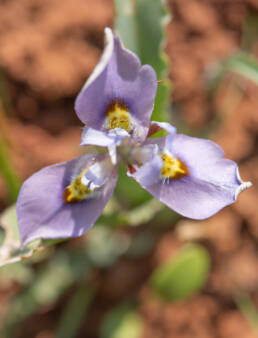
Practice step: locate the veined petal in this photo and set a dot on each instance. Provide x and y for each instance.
(119, 81)
(199, 181)
(42, 209)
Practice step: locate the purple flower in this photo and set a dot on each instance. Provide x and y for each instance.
(65, 199)
(188, 174)
(119, 94)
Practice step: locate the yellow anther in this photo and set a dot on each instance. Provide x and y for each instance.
(173, 168)
(76, 191)
(118, 115)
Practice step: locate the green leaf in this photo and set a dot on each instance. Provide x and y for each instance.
(248, 309)
(6, 168)
(8, 172)
(74, 313)
(140, 24)
(241, 63)
(250, 31)
(245, 65)
(121, 322)
(183, 275)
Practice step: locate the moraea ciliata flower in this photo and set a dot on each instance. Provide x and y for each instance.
(189, 175)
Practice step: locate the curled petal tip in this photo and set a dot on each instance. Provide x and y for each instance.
(243, 186)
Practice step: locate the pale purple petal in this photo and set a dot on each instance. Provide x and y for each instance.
(147, 164)
(164, 125)
(142, 154)
(212, 182)
(167, 127)
(111, 139)
(41, 210)
(119, 74)
(149, 173)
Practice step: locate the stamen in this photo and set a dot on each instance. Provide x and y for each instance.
(173, 168)
(118, 115)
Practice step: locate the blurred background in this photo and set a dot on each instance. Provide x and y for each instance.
(141, 271)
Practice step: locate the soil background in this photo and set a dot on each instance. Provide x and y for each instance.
(48, 49)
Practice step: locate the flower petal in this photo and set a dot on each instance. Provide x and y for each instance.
(119, 75)
(148, 164)
(111, 139)
(156, 126)
(212, 182)
(42, 212)
(149, 173)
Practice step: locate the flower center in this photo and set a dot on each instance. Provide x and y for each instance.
(173, 168)
(118, 115)
(76, 191)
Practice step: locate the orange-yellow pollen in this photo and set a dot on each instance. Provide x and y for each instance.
(76, 191)
(118, 115)
(173, 168)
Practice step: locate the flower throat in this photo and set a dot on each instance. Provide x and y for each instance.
(173, 168)
(76, 191)
(118, 115)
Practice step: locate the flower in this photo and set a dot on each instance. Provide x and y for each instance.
(189, 175)
(65, 199)
(117, 100)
